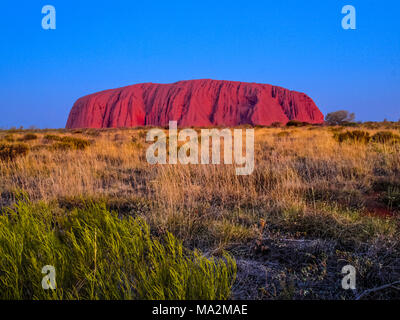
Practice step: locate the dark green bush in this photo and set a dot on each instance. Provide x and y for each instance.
(353, 136)
(10, 152)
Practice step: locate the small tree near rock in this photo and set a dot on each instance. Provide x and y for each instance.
(339, 117)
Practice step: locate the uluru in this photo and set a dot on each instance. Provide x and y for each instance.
(198, 103)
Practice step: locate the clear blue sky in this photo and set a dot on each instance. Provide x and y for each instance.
(99, 45)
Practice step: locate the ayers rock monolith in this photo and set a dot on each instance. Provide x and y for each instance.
(199, 103)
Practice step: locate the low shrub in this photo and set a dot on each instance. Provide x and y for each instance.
(358, 136)
(385, 137)
(62, 146)
(371, 125)
(52, 137)
(336, 129)
(296, 123)
(350, 124)
(9, 152)
(142, 134)
(71, 143)
(97, 255)
(385, 183)
(9, 137)
(276, 124)
(92, 132)
(120, 137)
(283, 134)
(392, 198)
(39, 147)
(28, 137)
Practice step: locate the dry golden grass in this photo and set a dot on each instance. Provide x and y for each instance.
(293, 167)
(305, 185)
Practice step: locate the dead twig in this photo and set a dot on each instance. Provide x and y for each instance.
(389, 285)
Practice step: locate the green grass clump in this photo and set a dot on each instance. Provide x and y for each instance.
(97, 255)
(9, 152)
(358, 136)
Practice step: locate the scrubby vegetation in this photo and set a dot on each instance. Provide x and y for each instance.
(68, 143)
(295, 123)
(359, 136)
(319, 198)
(9, 152)
(28, 137)
(52, 137)
(385, 137)
(356, 136)
(9, 138)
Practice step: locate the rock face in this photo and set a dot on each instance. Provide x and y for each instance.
(200, 103)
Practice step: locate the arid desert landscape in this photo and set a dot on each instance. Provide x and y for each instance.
(87, 202)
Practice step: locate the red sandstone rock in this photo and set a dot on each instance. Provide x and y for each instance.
(199, 103)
